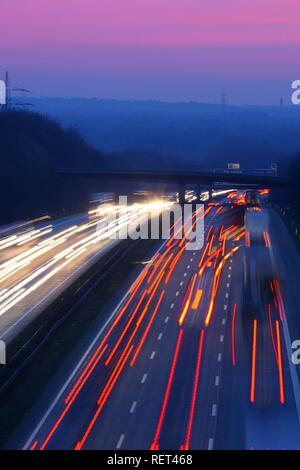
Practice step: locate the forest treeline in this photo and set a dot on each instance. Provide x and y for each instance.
(292, 192)
(32, 149)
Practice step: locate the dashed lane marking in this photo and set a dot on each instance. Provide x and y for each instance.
(120, 441)
(210, 444)
(144, 378)
(133, 407)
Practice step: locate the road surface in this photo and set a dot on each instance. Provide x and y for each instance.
(197, 355)
(39, 263)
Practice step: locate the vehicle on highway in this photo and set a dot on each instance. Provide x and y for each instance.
(252, 198)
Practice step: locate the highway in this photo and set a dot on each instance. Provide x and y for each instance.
(40, 262)
(196, 355)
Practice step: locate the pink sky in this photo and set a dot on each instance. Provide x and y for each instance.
(132, 48)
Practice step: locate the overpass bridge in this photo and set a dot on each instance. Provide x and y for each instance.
(200, 178)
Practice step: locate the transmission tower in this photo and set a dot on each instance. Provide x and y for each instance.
(10, 101)
(8, 90)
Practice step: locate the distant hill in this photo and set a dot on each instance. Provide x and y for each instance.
(183, 133)
(32, 147)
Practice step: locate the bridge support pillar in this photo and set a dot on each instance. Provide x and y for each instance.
(181, 193)
(198, 193)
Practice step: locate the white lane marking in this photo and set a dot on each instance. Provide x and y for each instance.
(224, 321)
(120, 441)
(172, 306)
(229, 276)
(221, 338)
(227, 285)
(219, 357)
(191, 260)
(225, 307)
(217, 381)
(210, 444)
(152, 354)
(177, 293)
(72, 375)
(194, 252)
(181, 283)
(231, 261)
(166, 319)
(188, 267)
(144, 378)
(133, 407)
(226, 295)
(214, 410)
(230, 268)
(159, 336)
(185, 274)
(79, 364)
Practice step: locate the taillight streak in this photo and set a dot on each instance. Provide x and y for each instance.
(69, 404)
(186, 444)
(280, 372)
(142, 341)
(253, 367)
(105, 394)
(155, 443)
(187, 304)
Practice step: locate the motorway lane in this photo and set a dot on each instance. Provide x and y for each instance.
(157, 387)
(17, 241)
(265, 423)
(184, 391)
(272, 421)
(43, 268)
(232, 379)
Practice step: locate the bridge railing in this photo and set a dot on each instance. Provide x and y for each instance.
(254, 172)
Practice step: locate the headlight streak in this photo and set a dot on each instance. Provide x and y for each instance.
(142, 315)
(37, 278)
(151, 292)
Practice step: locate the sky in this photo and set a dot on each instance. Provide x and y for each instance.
(171, 50)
